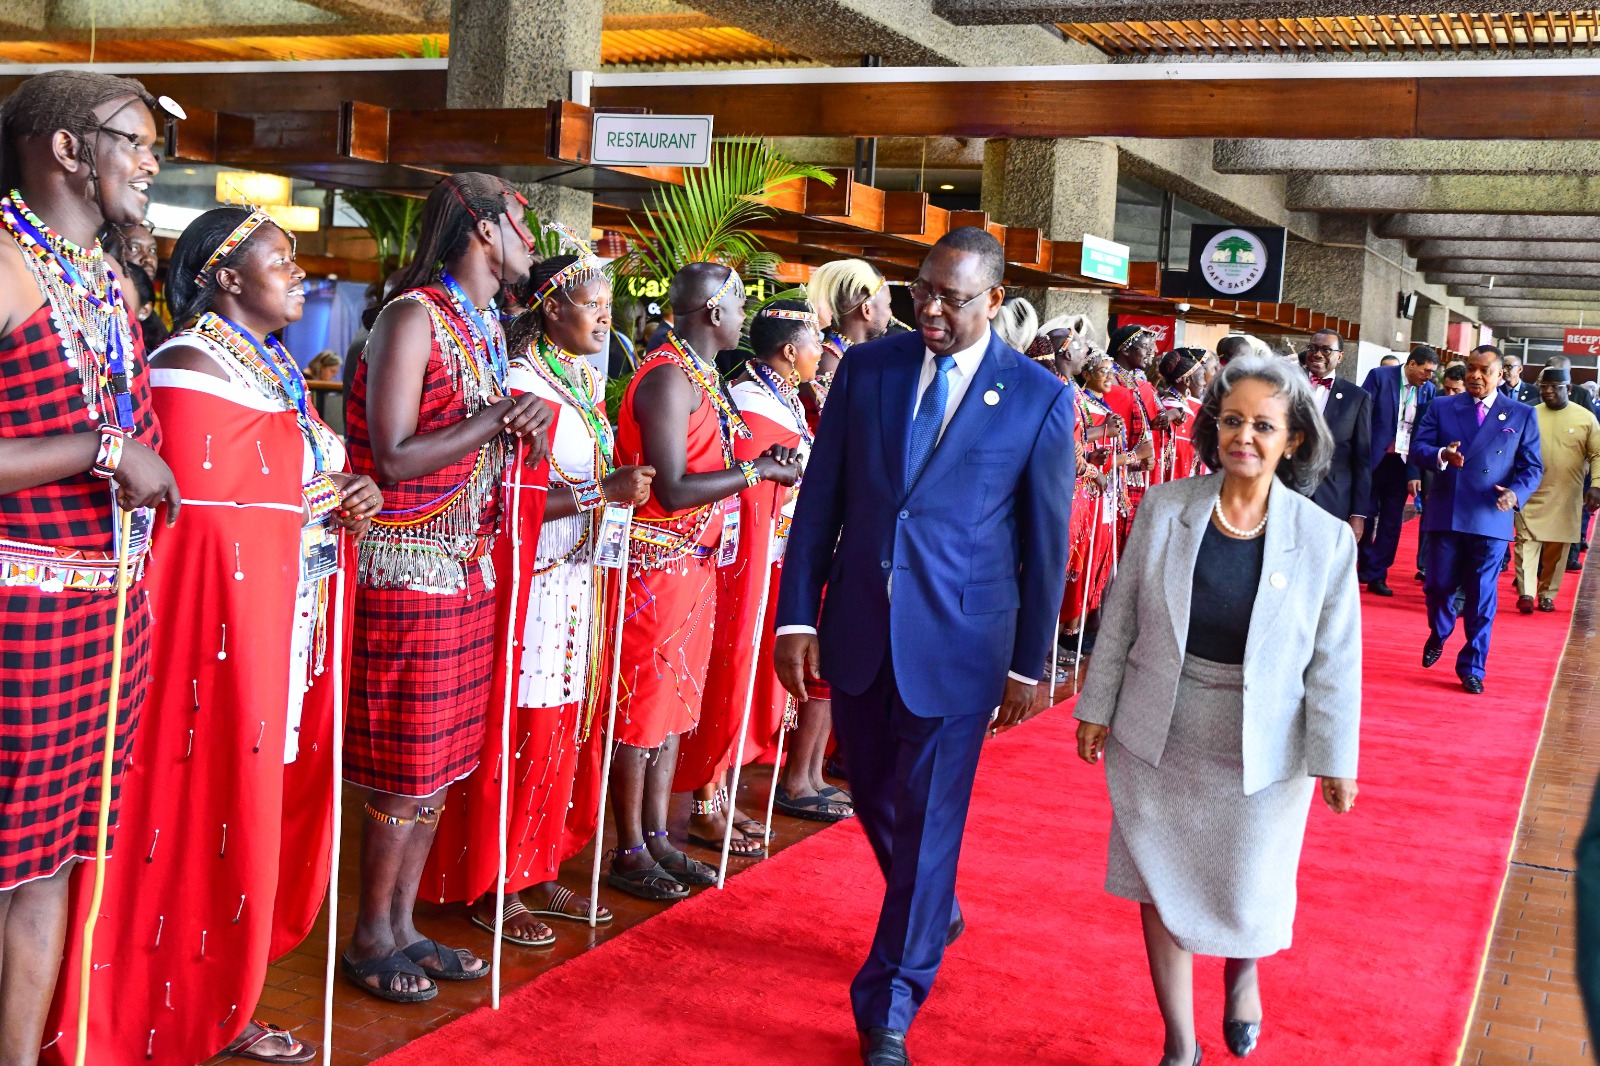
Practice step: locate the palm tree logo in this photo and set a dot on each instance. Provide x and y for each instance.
(1234, 250)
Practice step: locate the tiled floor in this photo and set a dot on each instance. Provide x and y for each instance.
(1528, 1009)
(366, 1028)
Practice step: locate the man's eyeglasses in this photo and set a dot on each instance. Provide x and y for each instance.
(923, 294)
(132, 138)
(1322, 349)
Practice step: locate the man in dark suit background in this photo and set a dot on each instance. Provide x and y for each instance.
(1400, 396)
(1485, 447)
(1346, 493)
(936, 510)
(1512, 384)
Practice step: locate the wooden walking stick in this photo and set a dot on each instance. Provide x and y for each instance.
(338, 812)
(611, 725)
(749, 698)
(107, 761)
(1083, 609)
(505, 721)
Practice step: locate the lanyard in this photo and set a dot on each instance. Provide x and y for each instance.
(276, 360)
(488, 340)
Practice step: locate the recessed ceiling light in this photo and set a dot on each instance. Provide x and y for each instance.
(947, 187)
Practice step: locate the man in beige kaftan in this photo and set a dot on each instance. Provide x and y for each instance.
(1548, 523)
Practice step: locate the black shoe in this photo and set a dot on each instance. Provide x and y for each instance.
(1422, 575)
(1525, 604)
(1380, 588)
(1242, 1037)
(953, 934)
(1431, 652)
(1473, 684)
(1573, 564)
(1546, 604)
(884, 1047)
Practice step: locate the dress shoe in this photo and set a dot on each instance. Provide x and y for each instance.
(1473, 684)
(1573, 564)
(884, 1047)
(953, 934)
(1546, 604)
(1422, 575)
(1525, 604)
(1241, 1036)
(1379, 588)
(1431, 652)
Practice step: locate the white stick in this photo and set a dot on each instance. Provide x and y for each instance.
(1119, 477)
(1055, 652)
(338, 811)
(1083, 609)
(749, 699)
(611, 725)
(772, 793)
(505, 721)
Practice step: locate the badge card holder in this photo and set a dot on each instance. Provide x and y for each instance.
(144, 520)
(319, 552)
(613, 539)
(728, 546)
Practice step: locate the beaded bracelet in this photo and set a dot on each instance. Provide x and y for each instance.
(322, 497)
(109, 455)
(752, 476)
(589, 494)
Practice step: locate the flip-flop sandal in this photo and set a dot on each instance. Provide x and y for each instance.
(652, 883)
(385, 969)
(751, 828)
(558, 908)
(514, 909)
(245, 1046)
(687, 871)
(452, 968)
(759, 851)
(837, 795)
(810, 808)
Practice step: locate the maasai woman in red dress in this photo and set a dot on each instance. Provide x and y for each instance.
(77, 432)
(676, 418)
(1177, 374)
(562, 628)
(229, 798)
(787, 348)
(429, 419)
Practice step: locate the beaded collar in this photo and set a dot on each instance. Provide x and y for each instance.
(784, 393)
(710, 382)
(555, 368)
(271, 366)
(86, 307)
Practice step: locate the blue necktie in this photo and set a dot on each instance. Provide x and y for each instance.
(929, 418)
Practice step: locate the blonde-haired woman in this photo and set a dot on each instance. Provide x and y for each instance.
(852, 302)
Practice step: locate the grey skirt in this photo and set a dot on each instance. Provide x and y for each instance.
(1218, 865)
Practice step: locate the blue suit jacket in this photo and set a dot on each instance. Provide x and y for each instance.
(977, 548)
(1383, 384)
(1503, 451)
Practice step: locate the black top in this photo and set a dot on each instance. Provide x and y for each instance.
(1226, 575)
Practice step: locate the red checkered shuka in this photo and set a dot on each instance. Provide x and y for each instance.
(55, 648)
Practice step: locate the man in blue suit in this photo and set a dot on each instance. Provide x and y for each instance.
(1486, 448)
(935, 511)
(1400, 396)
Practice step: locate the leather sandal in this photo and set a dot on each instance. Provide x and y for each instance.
(452, 961)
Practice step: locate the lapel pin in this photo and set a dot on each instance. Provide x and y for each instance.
(1278, 581)
(1338, 396)
(991, 397)
(1502, 416)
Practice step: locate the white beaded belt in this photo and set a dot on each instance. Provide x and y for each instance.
(51, 569)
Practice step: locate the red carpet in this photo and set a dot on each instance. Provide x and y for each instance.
(1396, 903)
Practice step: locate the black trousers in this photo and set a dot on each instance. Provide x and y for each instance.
(1381, 537)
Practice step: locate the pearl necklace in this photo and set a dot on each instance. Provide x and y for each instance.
(1232, 530)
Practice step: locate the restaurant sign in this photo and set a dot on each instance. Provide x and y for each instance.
(652, 140)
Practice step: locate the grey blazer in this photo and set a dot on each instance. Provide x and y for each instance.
(1302, 662)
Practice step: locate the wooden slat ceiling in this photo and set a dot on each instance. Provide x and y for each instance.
(1486, 34)
(633, 45)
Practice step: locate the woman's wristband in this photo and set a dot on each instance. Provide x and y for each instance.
(590, 495)
(752, 476)
(322, 497)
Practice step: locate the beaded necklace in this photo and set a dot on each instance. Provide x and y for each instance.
(711, 383)
(487, 340)
(272, 367)
(554, 366)
(784, 393)
(86, 307)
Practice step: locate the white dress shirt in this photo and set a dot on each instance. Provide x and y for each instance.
(960, 379)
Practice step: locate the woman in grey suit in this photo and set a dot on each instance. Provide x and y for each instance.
(1226, 679)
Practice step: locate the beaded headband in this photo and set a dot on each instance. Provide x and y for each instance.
(1135, 335)
(785, 313)
(240, 234)
(586, 264)
(722, 292)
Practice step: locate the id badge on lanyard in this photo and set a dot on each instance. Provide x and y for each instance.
(728, 546)
(144, 520)
(319, 552)
(613, 538)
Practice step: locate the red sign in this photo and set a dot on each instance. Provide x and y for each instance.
(1582, 340)
(1161, 326)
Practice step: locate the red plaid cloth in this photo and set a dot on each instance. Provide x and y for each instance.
(419, 687)
(55, 649)
(41, 396)
(55, 671)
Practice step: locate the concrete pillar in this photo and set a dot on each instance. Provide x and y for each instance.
(1356, 276)
(1431, 325)
(1065, 188)
(519, 53)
